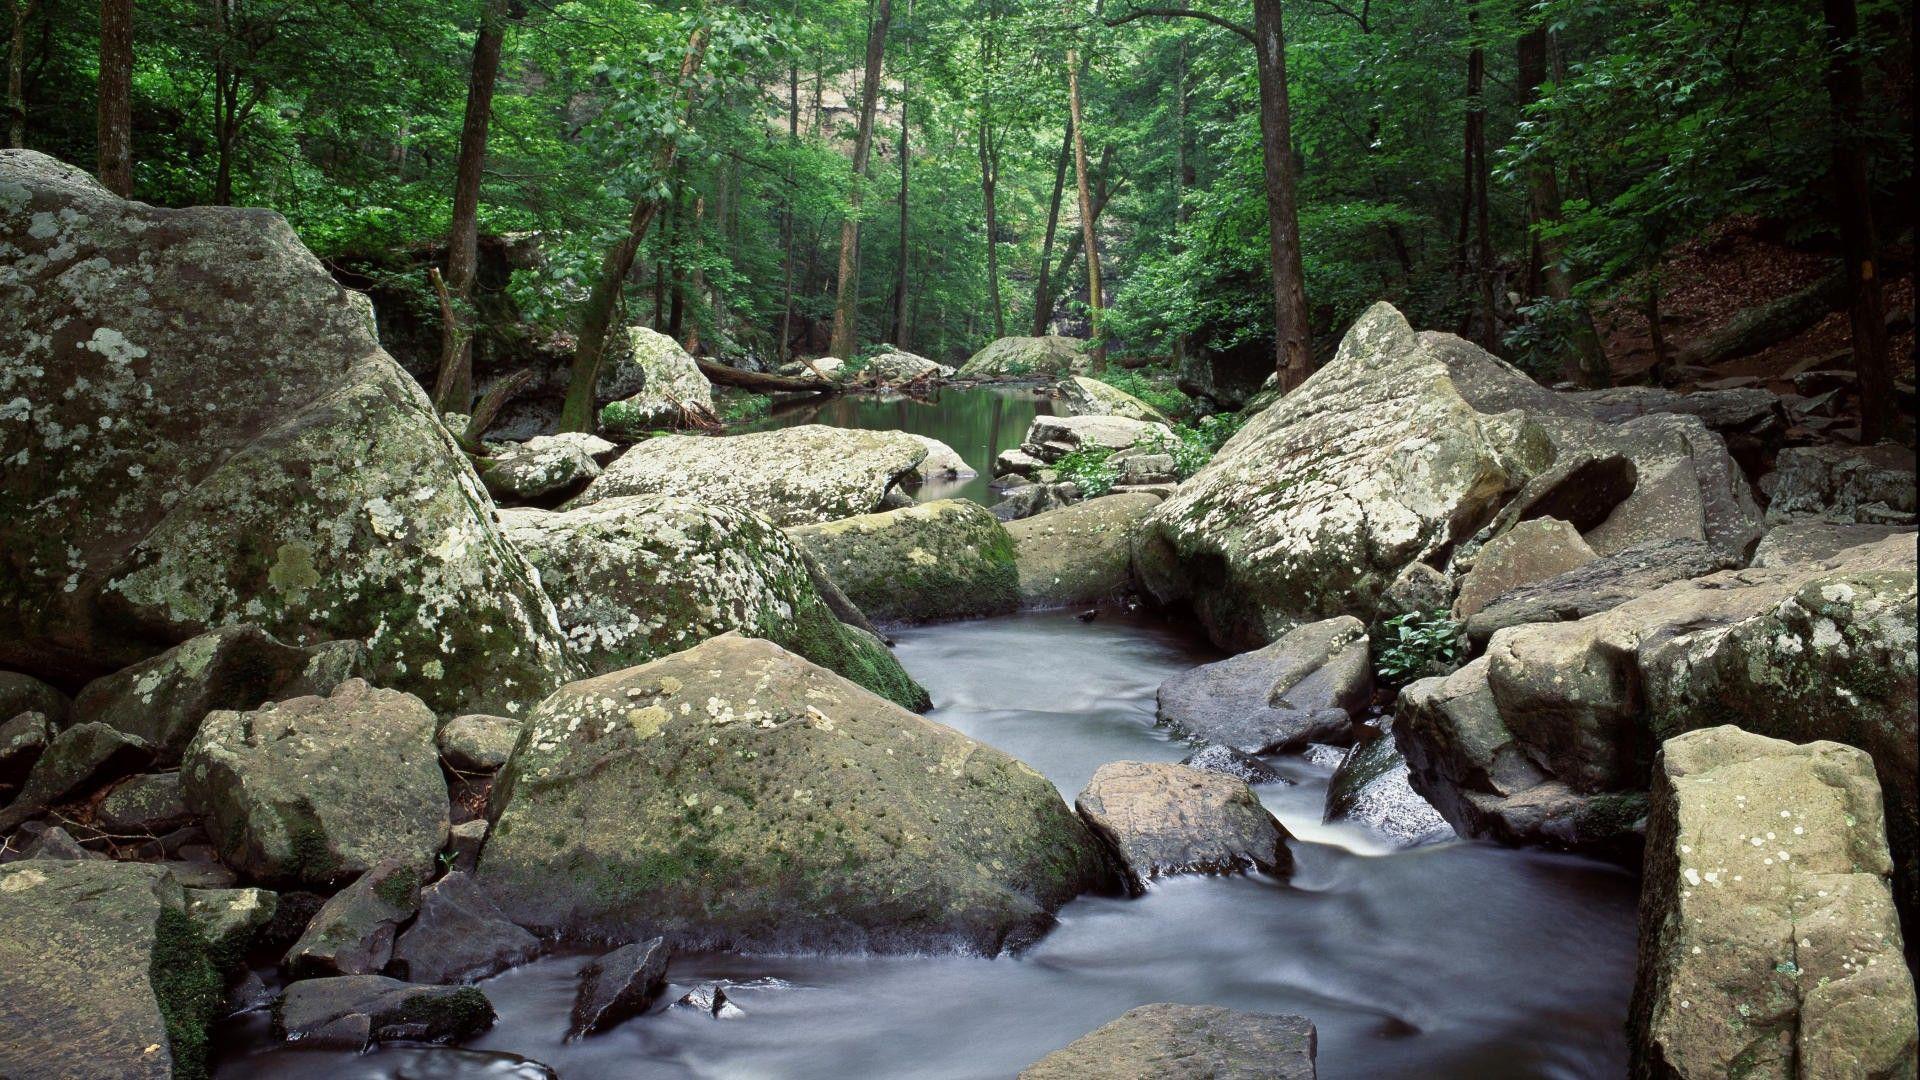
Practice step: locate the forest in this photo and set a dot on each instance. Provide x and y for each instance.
(946, 539)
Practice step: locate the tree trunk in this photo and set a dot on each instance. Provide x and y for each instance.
(577, 413)
(846, 308)
(226, 105)
(698, 276)
(900, 261)
(1479, 258)
(1853, 194)
(1096, 302)
(1292, 355)
(453, 389)
(676, 270)
(115, 124)
(1102, 192)
(786, 219)
(1043, 291)
(1546, 273)
(1183, 180)
(16, 75)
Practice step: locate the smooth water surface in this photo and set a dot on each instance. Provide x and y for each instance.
(1462, 960)
(977, 421)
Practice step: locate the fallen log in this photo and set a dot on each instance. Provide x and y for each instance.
(761, 382)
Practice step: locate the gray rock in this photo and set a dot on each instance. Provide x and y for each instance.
(352, 1012)
(24, 693)
(22, 740)
(1083, 396)
(1530, 552)
(231, 920)
(898, 368)
(1870, 485)
(1300, 689)
(1079, 554)
(1163, 820)
(545, 466)
(1800, 542)
(619, 985)
(76, 761)
(1767, 899)
(930, 562)
(1371, 787)
(317, 790)
(659, 385)
(1237, 764)
(943, 462)
(1029, 500)
(1027, 357)
(1186, 1042)
(149, 803)
(1016, 462)
(460, 936)
(1685, 486)
(56, 843)
(464, 842)
(476, 742)
(1597, 586)
(353, 932)
(1050, 438)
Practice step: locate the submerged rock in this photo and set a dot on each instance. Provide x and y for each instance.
(735, 795)
(659, 385)
(1300, 689)
(1079, 554)
(1163, 820)
(619, 985)
(1085, 396)
(353, 932)
(1186, 1042)
(1371, 787)
(317, 790)
(353, 1012)
(950, 559)
(459, 936)
(794, 476)
(1769, 946)
(325, 501)
(1027, 357)
(639, 577)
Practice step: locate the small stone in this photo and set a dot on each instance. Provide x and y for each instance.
(478, 743)
(1235, 763)
(619, 985)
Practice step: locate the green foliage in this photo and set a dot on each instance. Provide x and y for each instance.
(1193, 445)
(1157, 392)
(1542, 344)
(740, 407)
(1089, 469)
(1417, 645)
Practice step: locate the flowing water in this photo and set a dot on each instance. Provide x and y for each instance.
(1458, 960)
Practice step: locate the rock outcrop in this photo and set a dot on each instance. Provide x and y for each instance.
(1302, 688)
(1027, 357)
(1186, 1042)
(950, 559)
(1078, 554)
(326, 502)
(1597, 586)
(736, 795)
(1172, 819)
(657, 383)
(1872, 485)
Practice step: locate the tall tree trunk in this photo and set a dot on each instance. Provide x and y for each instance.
(1547, 273)
(786, 222)
(676, 270)
(1183, 181)
(1853, 205)
(1042, 290)
(1103, 190)
(1096, 301)
(846, 307)
(698, 277)
(226, 104)
(577, 413)
(990, 169)
(1477, 259)
(16, 74)
(115, 124)
(453, 389)
(900, 261)
(1292, 355)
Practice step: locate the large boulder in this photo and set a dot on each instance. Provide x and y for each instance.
(1083, 396)
(1050, 438)
(1769, 946)
(656, 382)
(24, 693)
(896, 368)
(638, 577)
(1186, 1042)
(102, 974)
(1078, 554)
(315, 791)
(1165, 819)
(795, 475)
(1810, 541)
(544, 467)
(319, 496)
(1027, 357)
(1872, 485)
(942, 462)
(735, 795)
(1302, 688)
(22, 740)
(950, 559)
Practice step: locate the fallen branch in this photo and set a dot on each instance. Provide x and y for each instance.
(760, 382)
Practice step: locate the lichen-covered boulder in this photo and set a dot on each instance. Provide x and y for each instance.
(794, 476)
(1163, 819)
(1769, 946)
(1085, 396)
(1597, 586)
(735, 795)
(641, 576)
(1302, 688)
(950, 559)
(1810, 541)
(896, 368)
(24, 693)
(318, 496)
(1028, 357)
(1050, 438)
(543, 467)
(657, 383)
(102, 973)
(315, 791)
(1078, 554)
(149, 803)
(476, 742)
(1530, 552)
(1186, 1042)
(1371, 786)
(1872, 485)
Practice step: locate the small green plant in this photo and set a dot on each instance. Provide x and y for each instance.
(1193, 445)
(1417, 645)
(1089, 469)
(740, 408)
(1157, 392)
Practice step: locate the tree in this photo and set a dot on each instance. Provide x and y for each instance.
(1853, 206)
(989, 149)
(22, 10)
(846, 306)
(116, 96)
(899, 335)
(1096, 302)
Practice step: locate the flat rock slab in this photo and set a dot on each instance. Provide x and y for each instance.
(1597, 586)
(1300, 689)
(1186, 1042)
(1172, 819)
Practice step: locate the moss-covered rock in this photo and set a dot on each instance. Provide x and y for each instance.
(149, 803)
(319, 496)
(657, 384)
(639, 577)
(1052, 356)
(950, 559)
(353, 932)
(24, 693)
(736, 795)
(1078, 554)
(353, 1012)
(102, 973)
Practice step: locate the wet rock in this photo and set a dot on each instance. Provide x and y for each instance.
(1030, 500)
(943, 462)
(638, 577)
(1371, 787)
(1802, 542)
(22, 740)
(353, 932)
(659, 385)
(1769, 946)
(1597, 586)
(24, 693)
(231, 920)
(1237, 764)
(795, 476)
(1083, 396)
(101, 973)
(1170, 819)
(543, 467)
(1186, 1042)
(76, 761)
(326, 502)
(476, 742)
(949, 559)
(1870, 485)
(56, 843)
(1300, 689)
(1530, 552)
(318, 790)
(149, 803)
(711, 998)
(1027, 357)
(1079, 554)
(352, 1012)
(1324, 756)
(735, 795)
(459, 936)
(617, 986)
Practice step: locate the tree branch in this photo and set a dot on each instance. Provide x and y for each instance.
(1181, 13)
